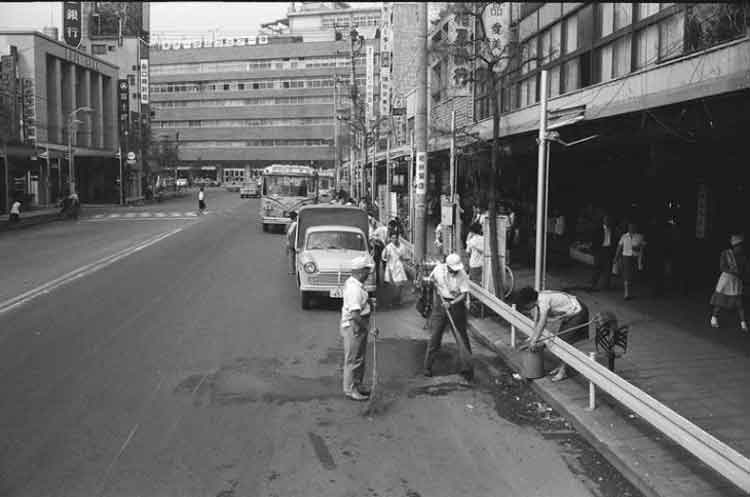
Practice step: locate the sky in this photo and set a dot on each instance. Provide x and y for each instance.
(168, 17)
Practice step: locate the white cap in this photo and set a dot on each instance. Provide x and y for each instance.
(736, 240)
(454, 262)
(361, 262)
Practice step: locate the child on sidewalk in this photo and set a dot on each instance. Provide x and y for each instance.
(728, 292)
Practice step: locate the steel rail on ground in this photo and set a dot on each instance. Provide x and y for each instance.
(722, 458)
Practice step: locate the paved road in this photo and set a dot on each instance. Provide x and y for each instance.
(187, 368)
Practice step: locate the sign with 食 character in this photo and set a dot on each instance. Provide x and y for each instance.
(72, 23)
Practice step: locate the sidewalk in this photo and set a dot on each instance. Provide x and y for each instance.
(674, 356)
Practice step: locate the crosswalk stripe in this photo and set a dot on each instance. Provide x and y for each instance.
(99, 216)
(145, 214)
(114, 215)
(160, 214)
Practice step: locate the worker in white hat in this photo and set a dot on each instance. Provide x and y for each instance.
(355, 324)
(451, 287)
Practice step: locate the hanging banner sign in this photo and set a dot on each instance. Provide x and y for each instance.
(72, 23)
(123, 105)
(144, 81)
(420, 176)
(369, 86)
(496, 24)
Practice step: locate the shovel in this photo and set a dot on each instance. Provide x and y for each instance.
(463, 354)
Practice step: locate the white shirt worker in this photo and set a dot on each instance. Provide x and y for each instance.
(558, 305)
(475, 248)
(447, 285)
(632, 244)
(354, 299)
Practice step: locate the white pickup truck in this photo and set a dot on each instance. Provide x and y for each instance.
(328, 239)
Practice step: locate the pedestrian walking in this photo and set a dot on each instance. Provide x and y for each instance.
(603, 248)
(729, 288)
(629, 256)
(378, 239)
(201, 201)
(15, 212)
(394, 256)
(451, 285)
(475, 249)
(291, 235)
(355, 325)
(551, 305)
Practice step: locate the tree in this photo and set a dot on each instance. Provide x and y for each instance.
(494, 54)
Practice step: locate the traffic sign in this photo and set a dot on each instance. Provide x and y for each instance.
(131, 156)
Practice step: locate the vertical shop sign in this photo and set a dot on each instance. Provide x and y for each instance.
(72, 23)
(123, 105)
(701, 213)
(144, 81)
(496, 23)
(420, 181)
(370, 75)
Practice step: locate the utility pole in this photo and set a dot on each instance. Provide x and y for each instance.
(386, 209)
(337, 175)
(541, 188)
(420, 128)
(353, 112)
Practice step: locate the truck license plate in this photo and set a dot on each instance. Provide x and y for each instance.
(337, 293)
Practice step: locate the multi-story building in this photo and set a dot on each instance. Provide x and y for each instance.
(663, 87)
(260, 100)
(118, 32)
(64, 98)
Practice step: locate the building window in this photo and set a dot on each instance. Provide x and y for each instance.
(606, 19)
(647, 46)
(554, 81)
(710, 24)
(240, 86)
(647, 9)
(97, 49)
(571, 34)
(621, 56)
(226, 87)
(571, 75)
(671, 36)
(603, 64)
(623, 13)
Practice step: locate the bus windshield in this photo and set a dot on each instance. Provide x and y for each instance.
(287, 186)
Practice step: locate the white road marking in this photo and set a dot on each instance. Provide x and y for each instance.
(114, 215)
(81, 272)
(99, 216)
(145, 214)
(192, 214)
(130, 214)
(161, 214)
(175, 214)
(140, 219)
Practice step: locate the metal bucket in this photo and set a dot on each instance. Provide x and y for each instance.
(532, 364)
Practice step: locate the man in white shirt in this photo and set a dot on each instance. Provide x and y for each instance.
(15, 211)
(549, 306)
(291, 235)
(378, 240)
(475, 249)
(201, 201)
(355, 324)
(451, 287)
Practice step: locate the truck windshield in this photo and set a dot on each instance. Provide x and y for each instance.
(287, 186)
(335, 240)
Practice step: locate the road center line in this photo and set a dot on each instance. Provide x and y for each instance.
(81, 272)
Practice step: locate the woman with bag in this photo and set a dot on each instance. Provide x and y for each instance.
(728, 292)
(394, 256)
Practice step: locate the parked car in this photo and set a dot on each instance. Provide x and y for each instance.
(329, 238)
(249, 190)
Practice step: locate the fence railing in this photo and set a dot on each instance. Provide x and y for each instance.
(725, 460)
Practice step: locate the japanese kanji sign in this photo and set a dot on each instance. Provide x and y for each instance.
(420, 175)
(496, 23)
(144, 81)
(123, 105)
(72, 23)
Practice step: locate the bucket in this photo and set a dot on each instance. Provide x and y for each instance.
(532, 364)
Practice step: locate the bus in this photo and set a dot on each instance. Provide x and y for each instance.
(285, 188)
(325, 185)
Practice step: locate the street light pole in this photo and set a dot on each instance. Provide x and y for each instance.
(72, 121)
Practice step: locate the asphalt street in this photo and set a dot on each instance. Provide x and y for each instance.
(171, 358)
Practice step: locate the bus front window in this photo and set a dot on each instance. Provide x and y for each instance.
(286, 186)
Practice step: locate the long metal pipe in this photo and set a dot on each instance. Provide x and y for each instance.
(541, 216)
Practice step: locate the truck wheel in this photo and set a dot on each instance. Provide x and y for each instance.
(305, 300)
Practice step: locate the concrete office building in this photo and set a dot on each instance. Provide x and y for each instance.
(253, 101)
(118, 32)
(51, 81)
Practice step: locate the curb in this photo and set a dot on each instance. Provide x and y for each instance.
(631, 474)
(29, 222)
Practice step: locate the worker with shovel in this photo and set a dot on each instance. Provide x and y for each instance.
(355, 324)
(449, 307)
(553, 305)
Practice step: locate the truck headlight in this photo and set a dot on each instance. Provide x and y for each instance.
(310, 267)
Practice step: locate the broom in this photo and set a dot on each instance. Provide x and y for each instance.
(375, 403)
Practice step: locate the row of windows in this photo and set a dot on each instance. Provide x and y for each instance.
(330, 22)
(310, 142)
(245, 85)
(241, 123)
(689, 28)
(242, 102)
(254, 65)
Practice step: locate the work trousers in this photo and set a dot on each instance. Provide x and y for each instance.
(355, 348)
(603, 258)
(292, 261)
(438, 322)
